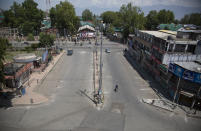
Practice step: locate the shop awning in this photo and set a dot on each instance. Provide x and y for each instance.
(86, 27)
(187, 94)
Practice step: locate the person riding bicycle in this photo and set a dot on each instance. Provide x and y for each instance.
(116, 88)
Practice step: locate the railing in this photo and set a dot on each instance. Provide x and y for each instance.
(169, 58)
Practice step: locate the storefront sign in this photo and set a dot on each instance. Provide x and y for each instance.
(185, 74)
(197, 78)
(188, 75)
(171, 68)
(177, 70)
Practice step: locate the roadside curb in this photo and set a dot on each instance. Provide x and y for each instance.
(151, 102)
(41, 81)
(193, 116)
(33, 104)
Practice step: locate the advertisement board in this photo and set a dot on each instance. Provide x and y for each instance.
(184, 73)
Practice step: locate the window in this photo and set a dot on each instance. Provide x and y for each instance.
(180, 48)
(191, 48)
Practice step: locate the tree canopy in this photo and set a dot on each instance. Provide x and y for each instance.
(87, 15)
(154, 18)
(132, 17)
(64, 17)
(165, 16)
(46, 40)
(194, 18)
(111, 17)
(3, 45)
(26, 17)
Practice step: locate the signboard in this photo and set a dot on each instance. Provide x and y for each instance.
(188, 75)
(171, 67)
(177, 70)
(197, 78)
(44, 56)
(185, 74)
(130, 43)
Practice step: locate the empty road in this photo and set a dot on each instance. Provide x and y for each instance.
(69, 87)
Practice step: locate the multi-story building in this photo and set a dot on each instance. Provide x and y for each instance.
(155, 50)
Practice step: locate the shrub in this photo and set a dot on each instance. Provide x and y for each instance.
(30, 37)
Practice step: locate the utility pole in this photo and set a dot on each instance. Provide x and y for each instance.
(197, 95)
(175, 94)
(101, 64)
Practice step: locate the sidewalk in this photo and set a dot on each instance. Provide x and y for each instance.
(36, 78)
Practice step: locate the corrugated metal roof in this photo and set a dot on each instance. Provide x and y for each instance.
(83, 23)
(169, 32)
(158, 34)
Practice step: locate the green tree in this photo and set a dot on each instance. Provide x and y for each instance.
(46, 40)
(111, 17)
(87, 15)
(110, 29)
(152, 20)
(165, 16)
(33, 17)
(3, 45)
(53, 16)
(132, 17)
(26, 16)
(194, 18)
(30, 37)
(108, 17)
(64, 17)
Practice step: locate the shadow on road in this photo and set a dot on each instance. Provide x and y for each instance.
(83, 92)
(6, 99)
(156, 86)
(160, 91)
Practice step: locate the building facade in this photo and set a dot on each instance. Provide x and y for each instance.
(156, 50)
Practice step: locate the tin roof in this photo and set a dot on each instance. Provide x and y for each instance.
(159, 34)
(164, 34)
(11, 68)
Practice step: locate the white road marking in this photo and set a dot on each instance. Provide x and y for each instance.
(59, 87)
(28, 107)
(186, 119)
(82, 52)
(106, 92)
(116, 111)
(145, 89)
(171, 114)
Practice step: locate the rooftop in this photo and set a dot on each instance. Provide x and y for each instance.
(189, 30)
(160, 34)
(164, 34)
(11, 68)
(83, 23)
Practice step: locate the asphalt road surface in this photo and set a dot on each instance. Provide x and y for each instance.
(69, 87)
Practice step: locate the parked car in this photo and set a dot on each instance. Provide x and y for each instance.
(69, 51)
(107, 50)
